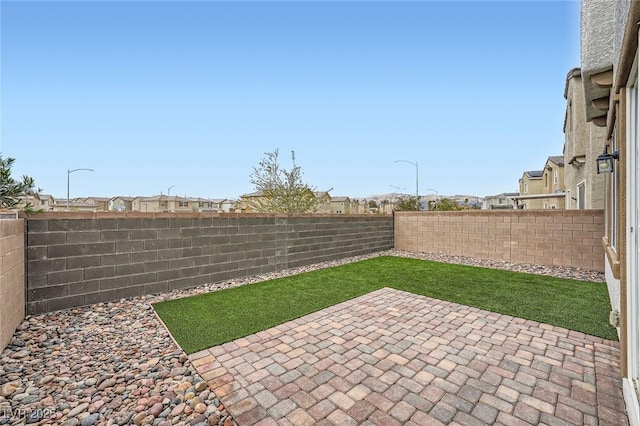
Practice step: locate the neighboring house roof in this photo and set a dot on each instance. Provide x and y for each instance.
(557, 159)
(504, 195)
(253, 194)
(123, 198)
(162, 198)
(340, 199)
(209, 200)
(534, 174)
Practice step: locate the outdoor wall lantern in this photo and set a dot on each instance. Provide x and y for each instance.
(604, 162)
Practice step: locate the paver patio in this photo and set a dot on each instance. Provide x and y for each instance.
(391, 357)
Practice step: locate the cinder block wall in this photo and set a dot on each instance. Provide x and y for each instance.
(90, 258)
(546, 237)
(11, 277)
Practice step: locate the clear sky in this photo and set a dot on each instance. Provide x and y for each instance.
(190, 95)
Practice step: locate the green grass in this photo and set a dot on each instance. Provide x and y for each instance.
(199, 322)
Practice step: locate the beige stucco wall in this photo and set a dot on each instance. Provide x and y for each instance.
(535, 186)
(12, 301)
(546, 237)
(582, 138)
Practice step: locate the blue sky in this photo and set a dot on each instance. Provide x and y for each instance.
(192, 94)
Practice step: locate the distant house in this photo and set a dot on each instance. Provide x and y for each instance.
(217, 205)
(46, 202)
(359, 206)
(553, 183)
(251, 202)
(225, 204)
(340, 205)
(80, 204)
(530, 186)
(324, 202)
(503, 201)
(203, 205)
(38, 201)
(121, 204)
(162, 203)
(543, 189)
(584, 189)
(101, 203)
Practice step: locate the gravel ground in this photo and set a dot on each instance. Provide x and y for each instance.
(115, 364)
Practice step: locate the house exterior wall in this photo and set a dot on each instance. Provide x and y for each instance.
(549, 237)
(553, 182)
(531, 186)
(597, 31)
(595, 182)
(11, 277)
(582, 140)
(577, 174)
(341, 207)
(81, 259)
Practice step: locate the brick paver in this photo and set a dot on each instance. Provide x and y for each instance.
(392, 357)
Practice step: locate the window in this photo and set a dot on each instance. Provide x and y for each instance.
(555, 177)
(526, 188)
(546, 179)
(183, 204)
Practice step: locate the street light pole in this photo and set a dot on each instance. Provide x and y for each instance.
(169, 190)
(416, 166)
(68, 174)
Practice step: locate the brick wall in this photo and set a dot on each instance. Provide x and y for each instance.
(11, 277)
(90, 258)
(547, 237)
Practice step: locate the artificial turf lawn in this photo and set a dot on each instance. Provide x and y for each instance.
(199, 322)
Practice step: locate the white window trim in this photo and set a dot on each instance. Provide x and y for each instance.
(578, 199)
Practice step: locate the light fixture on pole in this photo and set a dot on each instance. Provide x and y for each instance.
(604, 162)
(416, 166)
(68, 174)
(169, 190)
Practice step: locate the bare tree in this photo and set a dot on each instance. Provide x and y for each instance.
(280, 190)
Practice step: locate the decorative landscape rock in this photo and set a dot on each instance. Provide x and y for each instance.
(115, 364)
(106, 364)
